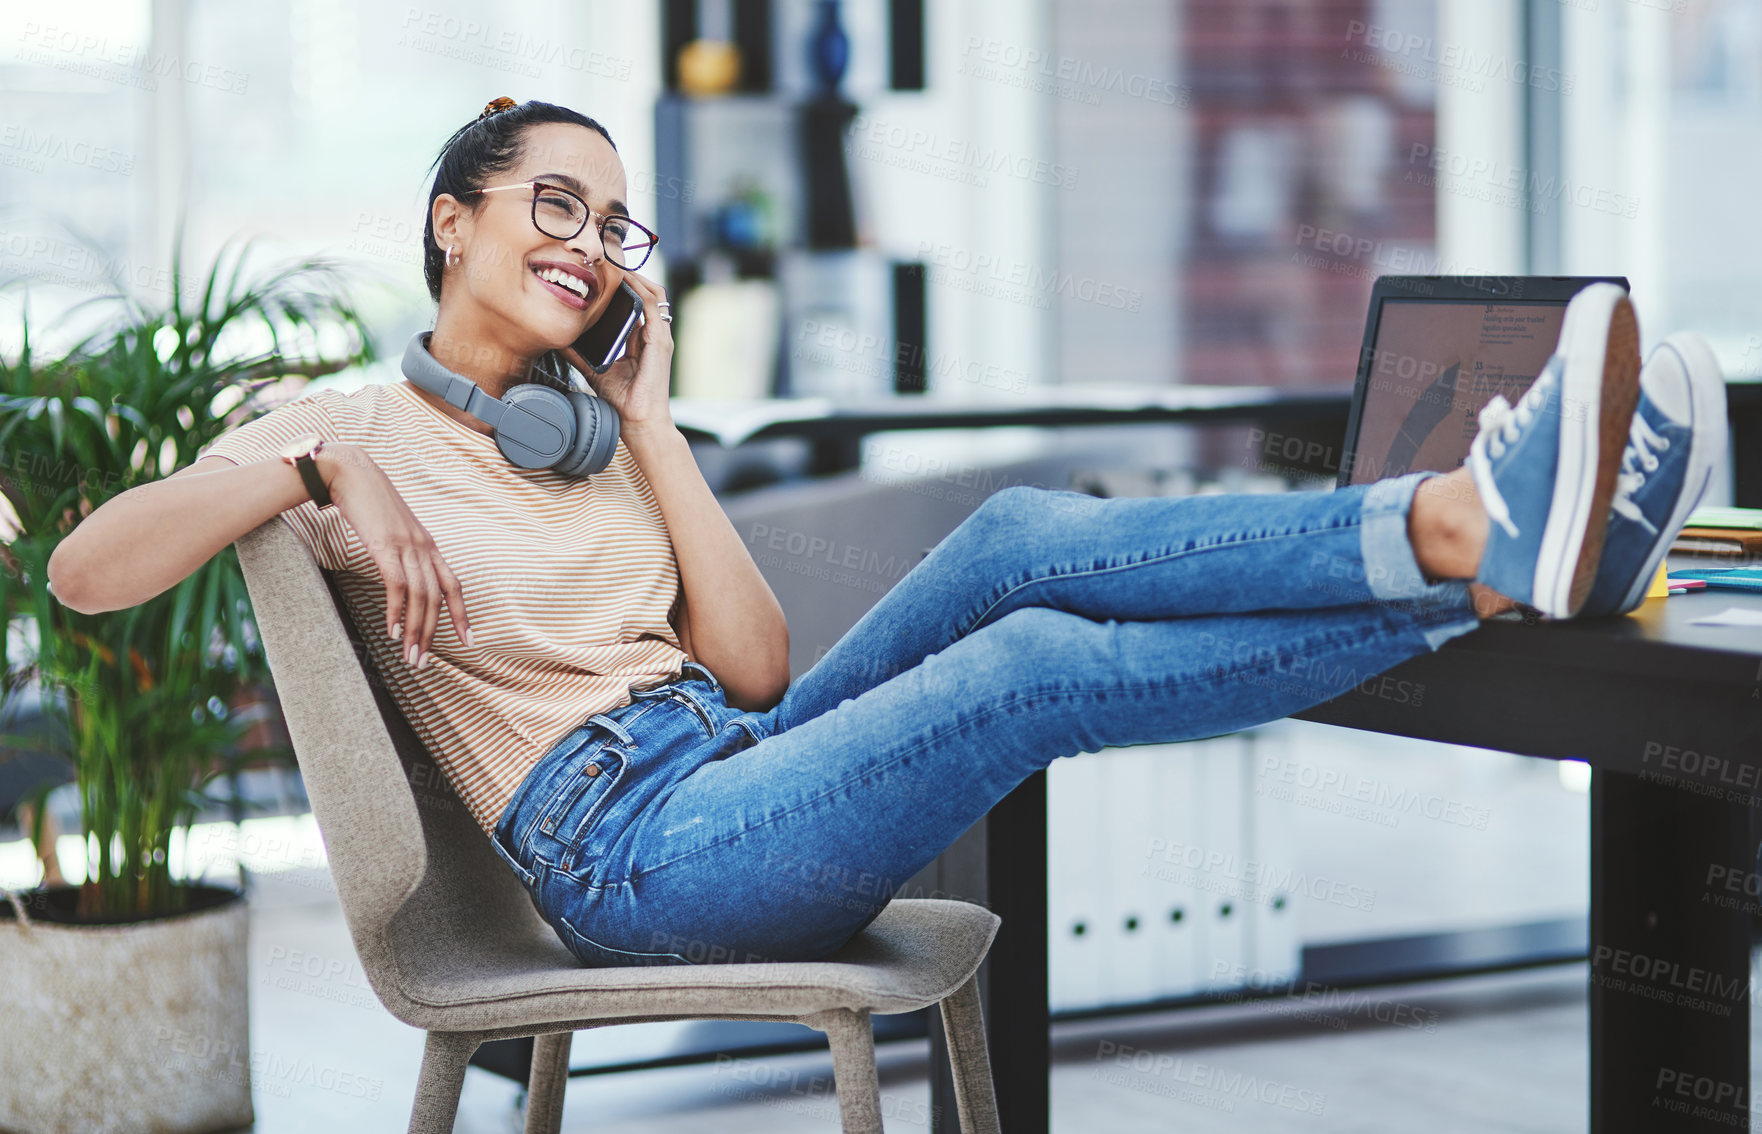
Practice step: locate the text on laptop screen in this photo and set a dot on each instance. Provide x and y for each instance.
(1434, 365)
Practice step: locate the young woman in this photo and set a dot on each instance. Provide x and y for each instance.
(609, 689)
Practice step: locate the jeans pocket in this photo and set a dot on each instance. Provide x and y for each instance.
(570, 816)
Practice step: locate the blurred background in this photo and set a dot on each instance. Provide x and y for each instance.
(983, 202)
(1141, 191)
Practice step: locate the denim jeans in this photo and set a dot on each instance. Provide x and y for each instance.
(679, 830)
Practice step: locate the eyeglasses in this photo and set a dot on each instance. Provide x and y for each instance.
(559, 213)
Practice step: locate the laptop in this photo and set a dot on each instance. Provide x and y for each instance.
(1437, 349)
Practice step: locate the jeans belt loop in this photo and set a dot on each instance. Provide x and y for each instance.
(613, 727)
(709, 678)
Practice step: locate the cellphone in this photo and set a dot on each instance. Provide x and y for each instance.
(602, 343)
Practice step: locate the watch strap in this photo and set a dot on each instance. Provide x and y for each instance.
(314, 481)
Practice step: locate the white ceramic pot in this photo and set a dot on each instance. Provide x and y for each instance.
(138, 1027)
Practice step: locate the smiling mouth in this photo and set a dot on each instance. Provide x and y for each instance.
(574, 286)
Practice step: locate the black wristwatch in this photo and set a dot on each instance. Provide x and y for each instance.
(299, 453)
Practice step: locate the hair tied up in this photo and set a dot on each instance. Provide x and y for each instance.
(472, 156)
(496, 106)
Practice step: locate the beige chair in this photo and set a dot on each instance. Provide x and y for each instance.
(451, 943)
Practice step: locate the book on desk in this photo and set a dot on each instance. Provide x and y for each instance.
(1727, 533)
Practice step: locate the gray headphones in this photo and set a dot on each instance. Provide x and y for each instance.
(536, 426)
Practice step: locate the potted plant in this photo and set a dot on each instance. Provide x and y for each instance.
(126, 996)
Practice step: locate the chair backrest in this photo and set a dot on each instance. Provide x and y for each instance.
(415, 873)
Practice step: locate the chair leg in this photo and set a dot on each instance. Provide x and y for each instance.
(975, 1095)
(444, 1057)
(544, 1088)
(853, 1067)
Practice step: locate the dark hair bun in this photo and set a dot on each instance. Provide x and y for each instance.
(496, 105)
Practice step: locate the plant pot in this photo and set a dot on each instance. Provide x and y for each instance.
(136, 1026)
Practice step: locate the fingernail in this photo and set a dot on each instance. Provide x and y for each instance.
(467, 635)
(410, 654)
(397, 630)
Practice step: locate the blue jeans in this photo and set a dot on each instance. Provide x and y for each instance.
(679, 830)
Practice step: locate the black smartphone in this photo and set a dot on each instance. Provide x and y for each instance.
(602, 343)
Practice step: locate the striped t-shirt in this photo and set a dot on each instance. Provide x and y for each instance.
(570, 584)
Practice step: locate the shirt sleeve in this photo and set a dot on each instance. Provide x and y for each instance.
(322, 530)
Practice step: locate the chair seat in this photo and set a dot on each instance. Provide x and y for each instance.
(914, 954)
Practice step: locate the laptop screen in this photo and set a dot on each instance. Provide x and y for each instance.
(1433, 365)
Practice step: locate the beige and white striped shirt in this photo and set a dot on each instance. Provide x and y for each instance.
(570, 584)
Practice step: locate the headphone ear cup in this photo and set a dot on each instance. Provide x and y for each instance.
(538, 431)
(596, 435)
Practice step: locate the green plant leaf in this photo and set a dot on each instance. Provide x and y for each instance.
(128, 690)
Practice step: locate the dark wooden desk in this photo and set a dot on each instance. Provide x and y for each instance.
(1670, 716)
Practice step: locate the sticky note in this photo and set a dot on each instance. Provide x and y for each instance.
(1660, 587)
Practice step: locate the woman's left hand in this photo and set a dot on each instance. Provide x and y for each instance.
(638, 384)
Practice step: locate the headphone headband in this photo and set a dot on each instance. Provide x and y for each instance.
(574, 433)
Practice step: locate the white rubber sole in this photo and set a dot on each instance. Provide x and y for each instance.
(1599, 386)
(1708, 439)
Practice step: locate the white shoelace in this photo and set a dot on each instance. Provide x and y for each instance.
(1500, 426)
(1639, 458)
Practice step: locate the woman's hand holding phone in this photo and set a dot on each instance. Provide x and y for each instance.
(638, 384)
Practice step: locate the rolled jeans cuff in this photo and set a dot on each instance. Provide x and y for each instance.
(1391, 571)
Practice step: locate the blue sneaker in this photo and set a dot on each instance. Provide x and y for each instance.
(1677, 437)
(1545, 470)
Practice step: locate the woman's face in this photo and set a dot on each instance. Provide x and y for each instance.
(501, 250)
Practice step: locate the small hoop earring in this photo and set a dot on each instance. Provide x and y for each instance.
(452, 254)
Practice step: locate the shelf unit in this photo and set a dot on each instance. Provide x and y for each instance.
(850, 321)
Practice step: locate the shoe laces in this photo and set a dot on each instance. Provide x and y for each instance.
(1639, 458)
(1501, 424)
